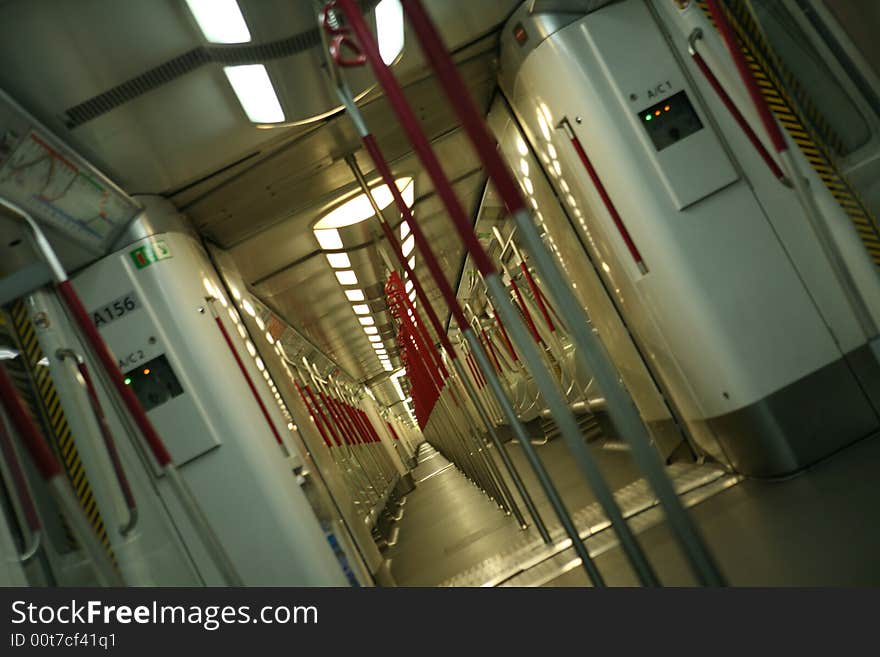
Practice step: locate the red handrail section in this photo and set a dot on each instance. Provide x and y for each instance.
(725, 98)
(250, 382)
(610, 207)
(539, 297)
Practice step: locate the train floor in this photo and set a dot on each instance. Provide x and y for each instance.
(817, 528)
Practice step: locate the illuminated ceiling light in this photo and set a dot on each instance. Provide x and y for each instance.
(387, 367)
(412, 297)
(233, 316)
(255, 92)
(542, 123)
(338, 260)
(269, 338)
(524, 166)
(557, 167)
(382, 351)
(260, 323)
(408, 287)
(389, 29)
(404, 230)
(366, 321)
(252, 350)
(521, 146)
(260, 365)
(248, 308)
(534, 202)
(241, 331)
(329, 239)
(564, 185)
(354, 295)
(412, 263)
(220, 20)
(346, 277)
(379, 347)
(360, 209)
(235, 293)
(371, 330)
(408, 245)
(374, 338)
(361, 309)
(529, 187)
(551, 151)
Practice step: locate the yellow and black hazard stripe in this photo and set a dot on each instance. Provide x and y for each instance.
(52, 412)
(798, 115)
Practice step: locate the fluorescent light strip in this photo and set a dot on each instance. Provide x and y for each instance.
(255, 92)
(361, 309)
(374, 338)
(220, 20)
(346, 277)
(354, 295)
(371, 330)
(329, 239)
(389, 29)
(338, 260)
(366, 321)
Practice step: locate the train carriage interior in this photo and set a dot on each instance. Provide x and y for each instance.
(437, 293)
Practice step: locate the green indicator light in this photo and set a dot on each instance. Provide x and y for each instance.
(648, 117)
(127, 381)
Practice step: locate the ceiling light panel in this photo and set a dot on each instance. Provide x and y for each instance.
(220, 20)
(346, 277)
(338, 260)
(389, 29)
(255, 92)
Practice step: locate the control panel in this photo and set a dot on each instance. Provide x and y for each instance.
(670, 120)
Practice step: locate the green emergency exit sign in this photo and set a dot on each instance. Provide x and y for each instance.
(151, 252)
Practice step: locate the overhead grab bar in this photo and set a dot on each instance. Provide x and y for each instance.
(107, 436)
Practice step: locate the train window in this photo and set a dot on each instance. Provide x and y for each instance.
(818, 82)
(154, 382)
(670, 120)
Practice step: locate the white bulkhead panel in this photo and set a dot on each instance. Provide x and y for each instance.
(720, 293)
(167, 341)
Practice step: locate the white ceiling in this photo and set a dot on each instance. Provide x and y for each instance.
(255, 193)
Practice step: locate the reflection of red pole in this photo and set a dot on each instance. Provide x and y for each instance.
(506, 337)
(317, 406)
(525, 311)
(314, 415)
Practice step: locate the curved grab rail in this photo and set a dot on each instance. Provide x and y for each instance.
(106, 435)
